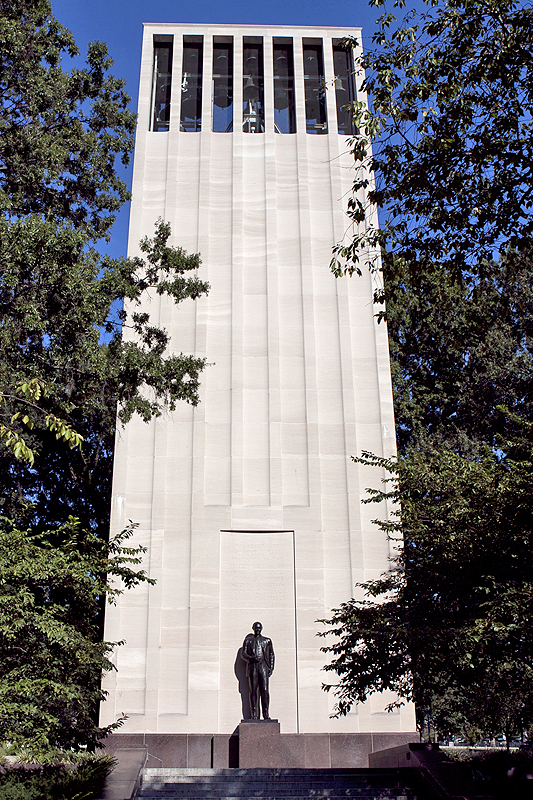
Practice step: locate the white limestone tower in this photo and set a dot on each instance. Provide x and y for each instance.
(249, 504)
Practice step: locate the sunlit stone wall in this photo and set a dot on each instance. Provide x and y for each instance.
(249, 504)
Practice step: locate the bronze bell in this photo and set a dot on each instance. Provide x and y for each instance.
(251, 90)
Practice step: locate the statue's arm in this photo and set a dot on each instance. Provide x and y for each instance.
(272, 658)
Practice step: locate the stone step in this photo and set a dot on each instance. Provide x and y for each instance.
(275, 780)
(280, 784)
(266, 780)
(362, 793)
(259, 790)
(192, 773)
(152, 791)
(265, 787)
(376, 793)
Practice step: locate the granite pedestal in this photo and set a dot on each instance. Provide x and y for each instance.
(256, 745)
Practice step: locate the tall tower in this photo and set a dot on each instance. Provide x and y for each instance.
(249, 504)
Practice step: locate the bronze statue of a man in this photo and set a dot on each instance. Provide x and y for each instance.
(258, 653)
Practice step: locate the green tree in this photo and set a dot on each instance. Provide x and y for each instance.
(450, 174)
(62, 303)
(66, 370)
(60, 132)
(51, 658)
(452, 103)
(459, 351)
(58, 299)
(449, 627)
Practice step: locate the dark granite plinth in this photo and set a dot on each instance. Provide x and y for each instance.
(166, 749)
(258, 743)
(225, 750)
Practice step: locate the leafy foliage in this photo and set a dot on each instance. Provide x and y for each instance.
(76, 351)
(451, 630)
(35, 389)
(57, 298)
(80, 776)
(452, 95)
(59, 132)
(459, 351)
(450, 173)
(62, 303)
(51, 658)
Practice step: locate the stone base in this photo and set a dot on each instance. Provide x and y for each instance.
(259, 743)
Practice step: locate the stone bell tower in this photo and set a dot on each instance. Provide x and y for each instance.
(249, 504)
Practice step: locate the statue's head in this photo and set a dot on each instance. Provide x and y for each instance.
(257, 628)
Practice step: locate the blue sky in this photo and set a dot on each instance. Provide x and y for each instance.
(119, 23)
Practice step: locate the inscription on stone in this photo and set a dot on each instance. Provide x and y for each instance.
(257, 570)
